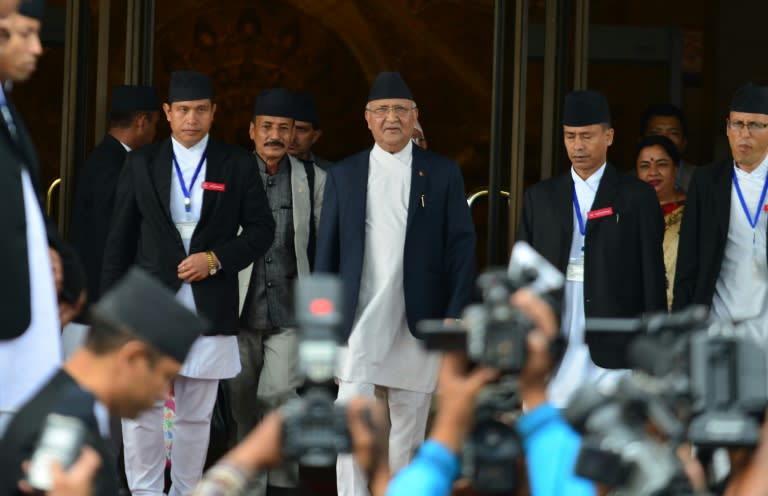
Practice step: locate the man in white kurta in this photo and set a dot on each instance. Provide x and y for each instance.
(29, 360)
(741, 291)
(722, 258)
(179, 206)
(381, 350)
(396, 227)
(577, 367)
(210, 359)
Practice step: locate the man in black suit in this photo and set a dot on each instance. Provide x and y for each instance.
(132, 124)
(136, 345)
(178, 208)
(30, 346)
(722, 255)
(604, 230)
(397, 229)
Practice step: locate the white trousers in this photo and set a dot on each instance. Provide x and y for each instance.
(145, 444)
(408, 412)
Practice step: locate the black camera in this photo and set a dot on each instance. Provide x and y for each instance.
(314, 427)
(494, 333)
(617, 449)
(492, 448)
(715, 373)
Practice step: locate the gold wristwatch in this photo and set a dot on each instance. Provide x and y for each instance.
(212, 267)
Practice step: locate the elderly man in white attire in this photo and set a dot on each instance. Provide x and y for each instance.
(396, 227)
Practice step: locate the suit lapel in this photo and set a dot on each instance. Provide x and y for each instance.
(358, 194)
(162, 168)
(216, 171)
(722, 198)
(562, 202)
(606, 192)
(420, 169)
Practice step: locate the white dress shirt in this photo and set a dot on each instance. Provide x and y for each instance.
(381, 349)
(28, 361)
(577, 367)
(741, 291)
(211, 357)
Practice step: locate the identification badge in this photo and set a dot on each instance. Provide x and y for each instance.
(186, 229)
(214, 186)
(603, 212)
(575, 270)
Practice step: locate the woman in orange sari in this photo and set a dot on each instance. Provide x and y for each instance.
(656, 161)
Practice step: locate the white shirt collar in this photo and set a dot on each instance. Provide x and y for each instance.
(194, 151)
(102, 418)
(593, 181)
(759, 173)
(127, 148)
(403, 156)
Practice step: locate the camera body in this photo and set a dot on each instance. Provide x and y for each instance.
(698, 381)
(314, 426)
(494, 333)
(492, 448)
(617, 450)
(315, 429)
(729, 387)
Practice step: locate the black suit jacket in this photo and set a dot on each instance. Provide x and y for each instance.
(142, 231)
(439, 264)
(703, 235)
(15, 155)
(23, 432)
(623, 260)
(93, 204)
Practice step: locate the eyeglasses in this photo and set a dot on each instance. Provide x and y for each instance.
(384, 110)
(751, 126)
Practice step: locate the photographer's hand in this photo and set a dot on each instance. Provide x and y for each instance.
(753, 479)
(456, 391)
(366, 419)
(538, 367)
(75, 481)
(261, 448)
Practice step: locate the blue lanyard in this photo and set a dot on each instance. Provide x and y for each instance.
(752, 222)
(187, 199)
(582, 227)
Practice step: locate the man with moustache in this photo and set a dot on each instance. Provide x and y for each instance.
(306, 132)
(604, 230)
(268, 340)
(178, 209)
(42, 264)
(397, 229)
(722, 255)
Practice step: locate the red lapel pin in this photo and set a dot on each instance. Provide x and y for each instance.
(421, 173)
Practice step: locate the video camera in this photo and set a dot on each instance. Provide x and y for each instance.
(714, 372)
(617, 449)
(495, 334)
(314, 427)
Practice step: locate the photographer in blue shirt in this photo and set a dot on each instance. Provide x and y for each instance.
(551, 446)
